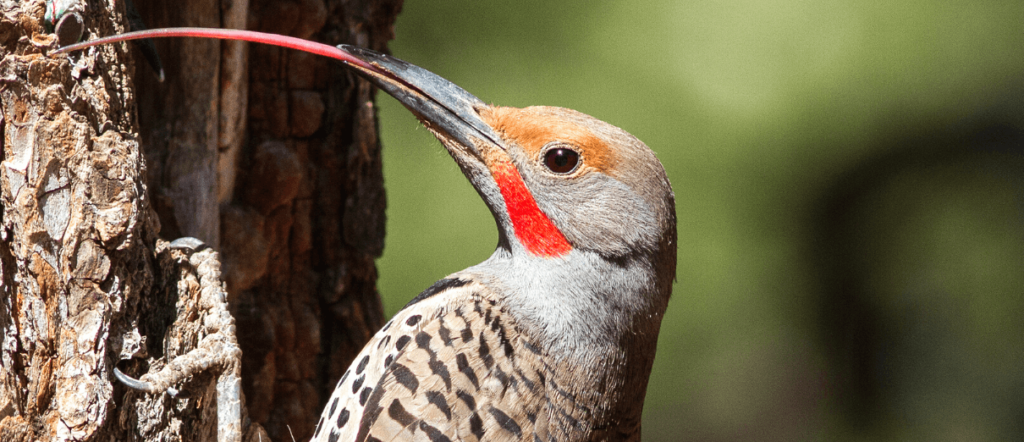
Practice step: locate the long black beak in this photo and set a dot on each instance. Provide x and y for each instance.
(436, 101)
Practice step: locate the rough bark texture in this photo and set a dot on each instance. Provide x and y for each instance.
(297, 189)
(76, 254)
(277, 167)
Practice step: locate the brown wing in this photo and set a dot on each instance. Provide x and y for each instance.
(467, 375)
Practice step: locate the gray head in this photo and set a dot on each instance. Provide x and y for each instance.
(585, 212)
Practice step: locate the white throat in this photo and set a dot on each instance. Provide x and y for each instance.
(579, 303)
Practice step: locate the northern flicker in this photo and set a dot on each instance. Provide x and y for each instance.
(552, 338)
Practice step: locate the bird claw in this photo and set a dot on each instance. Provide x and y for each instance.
(136, 384)
(216, 352)
(131, 382)
(187, 243)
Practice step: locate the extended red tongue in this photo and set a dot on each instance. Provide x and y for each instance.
(227, 34)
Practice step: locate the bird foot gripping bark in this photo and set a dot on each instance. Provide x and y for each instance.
(217, 350)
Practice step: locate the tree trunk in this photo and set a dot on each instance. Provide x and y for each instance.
(276, 167)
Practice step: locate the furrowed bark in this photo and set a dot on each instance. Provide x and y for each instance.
(299, 195)
(269, 156)
(76, 258)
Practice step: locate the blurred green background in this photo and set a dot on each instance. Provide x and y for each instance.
(848, 187)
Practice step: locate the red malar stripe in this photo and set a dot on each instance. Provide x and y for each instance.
(534, 229)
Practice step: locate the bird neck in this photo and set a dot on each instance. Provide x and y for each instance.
(580, 303)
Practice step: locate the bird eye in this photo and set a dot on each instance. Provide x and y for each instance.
(561, 160)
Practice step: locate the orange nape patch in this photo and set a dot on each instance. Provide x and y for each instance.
(534, 127)
(533, 228)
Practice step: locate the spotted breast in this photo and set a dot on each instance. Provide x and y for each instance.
(452, 365)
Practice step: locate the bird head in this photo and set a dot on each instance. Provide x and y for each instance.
(556, 180)
(586, 216)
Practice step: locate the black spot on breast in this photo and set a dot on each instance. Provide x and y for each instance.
(467, 398)
(440, 402)
(405, 377)
(388, 360)
(402, 341)
(362, 364)
(530, 385)
(485, 352)
(506, 422)
(536, 438)
(370, 416)
(507, 346)
(501, 376)
(532, 417)
(476, 426)
(441, 370)
(384, 342)
(373, 439)
(364, 396)
(357, 383)
(342, 418)
(467, 334)
(412, 320)
(505, 343)
(533, 348)
(342, 380)
(512, 382)
(566, 418)
(433, 434)
(423, 341)
(463, 364)
(333, 437)
(334, 405)
(398, 413)
(386, 326)
(570, 396)
(445, 335)
(438, 287)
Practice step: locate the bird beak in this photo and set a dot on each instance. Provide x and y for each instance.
(439, 103)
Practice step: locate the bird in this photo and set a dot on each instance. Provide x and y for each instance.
(552, 337)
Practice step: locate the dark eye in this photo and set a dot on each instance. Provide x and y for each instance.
(561, 160)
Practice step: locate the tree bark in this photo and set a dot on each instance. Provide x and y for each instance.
(269, 156)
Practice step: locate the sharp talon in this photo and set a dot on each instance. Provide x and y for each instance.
(131, 382)
(136, 384)
(189, 243)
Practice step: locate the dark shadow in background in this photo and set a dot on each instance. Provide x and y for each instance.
(888, 331)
